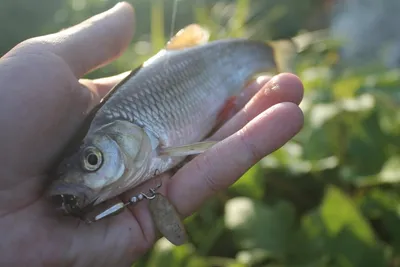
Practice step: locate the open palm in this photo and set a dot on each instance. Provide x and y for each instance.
(42, 103)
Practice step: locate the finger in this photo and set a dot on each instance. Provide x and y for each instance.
(239, 101)
(100, 87)
(284, 87)
(251, 89)
(223, 164)
(92, 43)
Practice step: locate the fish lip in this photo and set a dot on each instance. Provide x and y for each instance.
(71, 198)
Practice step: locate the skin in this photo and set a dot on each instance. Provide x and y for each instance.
(42, 102)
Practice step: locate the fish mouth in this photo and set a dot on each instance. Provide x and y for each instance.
(72, 199)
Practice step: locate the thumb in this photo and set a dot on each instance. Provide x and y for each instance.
(90, 44)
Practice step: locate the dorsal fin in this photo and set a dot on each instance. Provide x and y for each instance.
(191, 35)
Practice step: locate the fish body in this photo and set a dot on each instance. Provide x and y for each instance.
(177, 98)
(174, 99)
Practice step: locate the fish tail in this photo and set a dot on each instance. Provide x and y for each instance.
(285, 52)
(271, 56)
(275, 56)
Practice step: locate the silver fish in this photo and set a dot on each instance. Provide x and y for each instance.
(157, 116)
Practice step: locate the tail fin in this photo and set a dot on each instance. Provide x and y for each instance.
(285, 52)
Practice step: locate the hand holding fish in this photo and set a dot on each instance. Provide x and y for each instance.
(44, 102)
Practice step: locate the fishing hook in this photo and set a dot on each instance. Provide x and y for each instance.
(115, 209)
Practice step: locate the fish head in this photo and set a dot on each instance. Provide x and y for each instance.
(107, 161)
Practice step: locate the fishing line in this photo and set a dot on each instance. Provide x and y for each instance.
(174, 12)
(172, 26)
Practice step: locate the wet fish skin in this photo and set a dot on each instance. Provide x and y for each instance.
(172, 100)
(179, 95)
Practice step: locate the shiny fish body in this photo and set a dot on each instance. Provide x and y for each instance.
(176, 97)
(179, 95)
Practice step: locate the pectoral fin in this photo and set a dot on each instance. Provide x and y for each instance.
(191, 35)
(187, 150)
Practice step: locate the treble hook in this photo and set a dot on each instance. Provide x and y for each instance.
(133, 200)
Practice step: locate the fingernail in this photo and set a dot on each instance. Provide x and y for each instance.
(257, 82)
(273, 85)
(121, 3)
(262, 79)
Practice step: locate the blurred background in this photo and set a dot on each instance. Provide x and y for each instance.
(330, 197)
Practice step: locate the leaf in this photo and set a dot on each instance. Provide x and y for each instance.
(253, 257)
(346, 88)
(195, 261)
(389, 119)
(349, 248)
(256, 225)
(338, 212)
(367, 156)
(162, 253)
(198, 226)
(391, 170)
(315, 77)
(157, 25)
(333, 232)
(238, 20)
(390, 174)
(362, 103)
(289, 157)
(308, 245)
(166, 254)
(321, 113)
(389, 79)
(319, 144)
(251, 184)
(384, 206)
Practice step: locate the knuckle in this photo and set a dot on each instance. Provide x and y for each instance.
(251, 152)
(35, 45)
(203, 167)
(246, 116)
(85, 95)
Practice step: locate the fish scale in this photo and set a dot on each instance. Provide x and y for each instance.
(176, 98)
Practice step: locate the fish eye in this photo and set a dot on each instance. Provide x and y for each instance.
(91, 159)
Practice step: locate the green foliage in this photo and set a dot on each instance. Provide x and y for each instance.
(330, 197)
(247, 219)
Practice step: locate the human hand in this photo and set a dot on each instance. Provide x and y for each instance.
(43, 101)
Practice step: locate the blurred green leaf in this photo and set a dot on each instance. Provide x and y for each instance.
(349, 248)
(339, 212)
(238, 20)
(383, 208)
(253, 257)
(257, 225)
(166, 254)
(322, 113)
(157, 25)
(252, 183)
(390, 174)
(346, 88)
